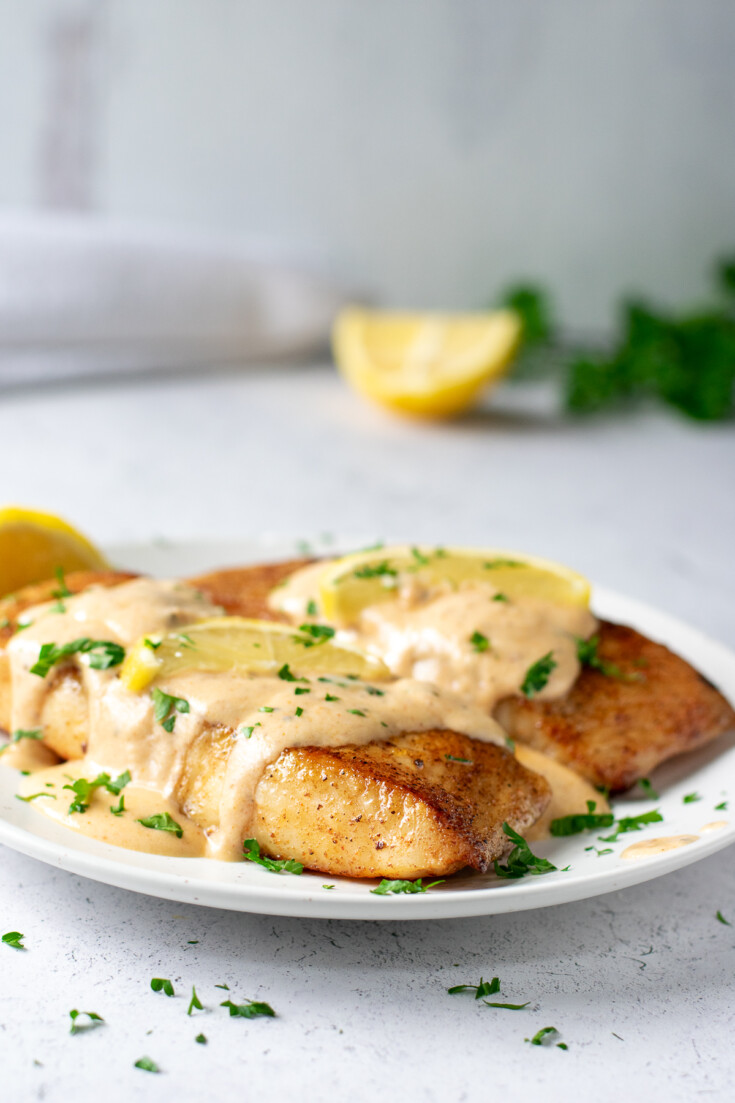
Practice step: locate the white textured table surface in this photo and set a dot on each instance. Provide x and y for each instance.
(638, 982)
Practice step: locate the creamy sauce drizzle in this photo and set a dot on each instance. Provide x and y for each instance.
(426, 633)
(569, 791)
(716, 825)
(647, 848)
(123, 734)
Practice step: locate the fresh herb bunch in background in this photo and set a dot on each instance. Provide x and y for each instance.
(688, 361)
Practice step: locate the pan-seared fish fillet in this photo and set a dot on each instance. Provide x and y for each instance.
(394, 809)
(243, 591)
(613, 731)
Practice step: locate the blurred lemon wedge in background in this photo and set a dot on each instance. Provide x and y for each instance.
(238, 644)
(350, 584)
(34, 544)
(430, 365)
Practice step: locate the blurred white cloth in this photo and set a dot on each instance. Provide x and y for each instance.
(82, 296)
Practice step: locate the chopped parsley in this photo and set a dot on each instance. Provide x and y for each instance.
(647, 788)
(166, 706)
(248, 730)
(201, 1039)
(195, 1004)
(357, 712)
(464, 761)
(377, 570)
(587, 653)
(600, 853)
(403, 887)
(721, 807)
(327, 886)
(301, 689)
(153, 645)
(251, 850)
(286, 675)
(312, 609)
(330, 697)
(479, 642)
(22, 733)
(691, 798)
(33, 796)
(266, 708)
(319, 633)
(102, 654)
(299, 711)
(84, 789)
(543, 1035)
(253, 1009)
(484, 988)
(421, 560)
(146, 1064)
(119, 808)
(581, 821)
(374, 691)
(521, 859)
(162, 984)
(14, 939)
(538, 675)
(500, 597)
(632, 823)
(722, 919)
(78, 1028)
(494, 564)
(162, 821)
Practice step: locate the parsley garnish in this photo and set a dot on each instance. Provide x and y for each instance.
(21, 733)
(492, 564)
(581, 821)
(331, 697)
(539, 1038)
(357, 712)
(146, 1064)
(632, 823)
(600, 853)
(265, 708)
(500, 597)
(398, 887)
(538, 674)
(299, 711)
(319, 633)
(722, 919)
(421, 559)
(14, 939)
(721, 807)
(378, 570)
(77, 1028)
(251, 849)
(479, 642)
(253, 1009)
(195, 1004)
(201, 1039)
(464, 761)
(691, 798)
(153, 645)
(162, 984)
(84, 789)
(588, 656)
(248, 731)
(285, 674)
(521, 859)
(165, 707)
(162, 821)
(312, 609)
(102, 654)
(484, 988)
(301, 689)
(327, 886)
(647, 788)
(119, 808)
(33, 796)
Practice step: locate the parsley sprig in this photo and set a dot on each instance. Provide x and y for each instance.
(587, 654)
(581, 821)
(84, 789)
(538, 675)
(251, 849)
(253, 1009)
(632, 823)
(398, 888)
(486, 988)
(163, 821)
(103, 654)
(93, 1020)
(14, 939)
(521, 859)
(22, 733)
(166, 706)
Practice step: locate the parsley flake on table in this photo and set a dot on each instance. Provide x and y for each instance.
(632, 823)
(479, 642)
(691, 798)
(163, 821)
(581, 821)
(521, 859)
(103, 654)
(251, 849)
(403, 887)
(14, 939)
(253, 1009)
(195, 1004)
(79, 1028)
(543, 1035)
(166, 706)
(201, 1039)
(722, 919)
(22, 733)
(484, 988)
(538, 675)
(162, 984)
(147, 1064)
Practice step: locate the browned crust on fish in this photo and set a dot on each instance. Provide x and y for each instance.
(614, 731)
(244, 591)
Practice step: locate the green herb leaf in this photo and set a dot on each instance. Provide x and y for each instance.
(507, 1006)
(500, 597)
(319, 633)
(691, 798)
(285, 674)
(14, 939)
(251, 849)
(84, 789)
(479, 642)
(581, 821)
(299, 711)
(521, 859)
(78, 1028)
(632, 823)
(116, 786)
(376, 570)
(587, 654)
(538, 675)
(722, 919)
(253, 1009)
(102, 654)
(542, 1035)
(357, 712)
(484, 988)
(721, 807)
(312, 609)
(34, 796)
(464, 761)
(532, 306)
(153, 645)
(166, 706)
(162, 984)
(163, 821)
(201, 1039)
(647, 788)
(146, 1064)
(195, 1004)
(403, 887)
(496, 564)
(22, 733)
(119, 808)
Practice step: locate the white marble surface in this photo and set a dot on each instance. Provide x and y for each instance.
(638, 982)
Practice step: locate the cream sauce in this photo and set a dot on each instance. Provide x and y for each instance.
(426, 632)
(716, 825)
(569, 791)
(647, 848)
(123, 733)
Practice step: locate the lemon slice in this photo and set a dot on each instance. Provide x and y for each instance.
(431, 365)
(34, 544)
(349, 585)
(238, 644)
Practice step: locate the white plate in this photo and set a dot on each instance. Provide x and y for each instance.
(248, 888)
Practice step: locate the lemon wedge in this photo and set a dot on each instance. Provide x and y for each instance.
(34, 544)
(238, 644)
(430, 365)
(349, 585)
